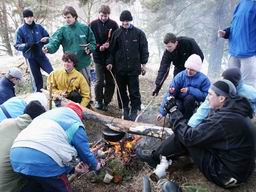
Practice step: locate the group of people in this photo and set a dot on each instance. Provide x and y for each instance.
(211, 121)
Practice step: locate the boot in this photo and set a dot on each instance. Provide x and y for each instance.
(133, 114)
(126, 114)
(105, 107)
(98, 105)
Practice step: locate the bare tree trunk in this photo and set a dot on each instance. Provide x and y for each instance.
(4, 28)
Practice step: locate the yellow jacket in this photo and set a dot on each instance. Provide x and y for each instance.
(63, 82)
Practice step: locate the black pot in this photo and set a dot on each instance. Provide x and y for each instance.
(111, 135)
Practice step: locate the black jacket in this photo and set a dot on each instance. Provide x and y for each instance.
(6, 89)
(186, 47)
(102, 35)
(129, 49)
(222, 145)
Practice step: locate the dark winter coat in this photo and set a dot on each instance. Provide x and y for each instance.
(222, 145)
(6, 89)
(28, 40)
(101, 33)
(129, 49)
(186, 47)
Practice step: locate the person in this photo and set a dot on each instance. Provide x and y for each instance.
(8, 82)
(177, 51)
(68, 82)
(30, 38)
(189, 88)
(9, 129)
(244, 90)
(242, 42)
(15, 106)
(128, 56)
(222, 146)
(103, 28)
(45, 151)
(76, 38)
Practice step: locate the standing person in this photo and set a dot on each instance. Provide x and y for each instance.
(8, 82)
(76, 38)
(128, 56)
(30, 38)
(222, 146)
(9, 129)
(189, 88)
(241, 36)
(68, 82)
(103, 28)
(178, 49)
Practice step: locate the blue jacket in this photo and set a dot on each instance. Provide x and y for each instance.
(32, 162)
(6, 89)
(197, 85)
(203, 111)
(26, 35)
(242, 33)
(14, 106)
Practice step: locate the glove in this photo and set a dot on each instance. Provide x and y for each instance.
(170, 105)
(156, 91)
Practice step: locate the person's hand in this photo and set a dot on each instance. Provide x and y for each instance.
(109, 67)
(172, 90)
(102, 48)
(184, 90)
(221, 33)
(156, 91)
(143, 69)
(159, 117)
(81, 168)
(44, 39)
(106, 45)
(45, 49)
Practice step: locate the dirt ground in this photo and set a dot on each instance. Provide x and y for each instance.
(189, 179)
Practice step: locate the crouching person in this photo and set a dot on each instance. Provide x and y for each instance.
(46, 150)
(222, 145)
(9, 129)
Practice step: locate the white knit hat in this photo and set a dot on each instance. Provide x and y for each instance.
(194, 62)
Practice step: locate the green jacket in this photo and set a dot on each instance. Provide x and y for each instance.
(71, 37)
(9, 129)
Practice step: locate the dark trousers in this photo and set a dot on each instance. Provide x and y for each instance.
(105, 86)
(47, 184)
(187, 106)
(132, 84)
(35, 65)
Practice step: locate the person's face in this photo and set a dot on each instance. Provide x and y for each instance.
(103, 17)
(29, 20)
(126, 24)
(191, 72)
(171, 46)
(70, 20)
(215, 101)
(68, 65)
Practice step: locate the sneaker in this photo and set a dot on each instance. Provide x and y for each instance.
(133, 115)
(146, 156)
(98, 105)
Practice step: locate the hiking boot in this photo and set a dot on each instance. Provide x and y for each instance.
(98, 105)
(146, 156)
(133, 114)
(126, 114)
(105, 107)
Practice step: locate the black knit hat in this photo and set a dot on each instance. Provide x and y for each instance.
(233, 75)
(224, 88)
(126, 16)
(34, 109)
(28, 13)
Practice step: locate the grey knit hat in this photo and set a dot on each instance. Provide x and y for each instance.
(224, 88)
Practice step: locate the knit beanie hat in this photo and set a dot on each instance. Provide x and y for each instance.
(77, 108)
(233, 75)
(224, 88)
(194, 62)
(126, 16)
(15, 72)
(27, 13)
(34, 109)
